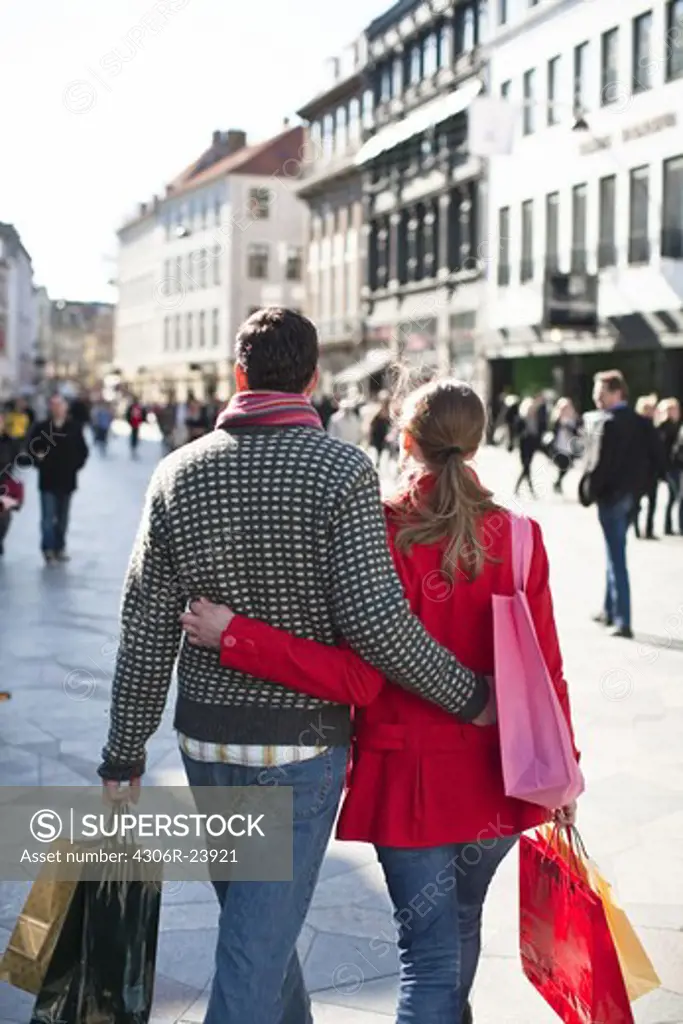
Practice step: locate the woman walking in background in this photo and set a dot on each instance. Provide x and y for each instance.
(424, 788)
(564, 424)
(531, 426)
(646, 406)
(668, 426)
(101, 421)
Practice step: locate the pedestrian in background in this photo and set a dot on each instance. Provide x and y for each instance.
(101, 421)
(60, 452)
(380, 425)
(135, 416)
(532, 424)
(564, 424)
(196, 420)
(18, 421)
(646, 407)
(668, 427)
(80, 409)
(617, 469)
(11, 489)
(345, 424)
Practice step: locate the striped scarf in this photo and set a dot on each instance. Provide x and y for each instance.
(268, 409)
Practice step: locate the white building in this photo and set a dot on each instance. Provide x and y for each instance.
(227, 238)
(16, 315)
(604, 200)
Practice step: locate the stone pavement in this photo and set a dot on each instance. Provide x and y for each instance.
(58, 631)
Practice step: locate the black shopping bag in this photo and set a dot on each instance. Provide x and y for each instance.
(102, 969)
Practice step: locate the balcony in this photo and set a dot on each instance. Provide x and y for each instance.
(340, 330)
(327, 166)
(607, 255)
(638, 249)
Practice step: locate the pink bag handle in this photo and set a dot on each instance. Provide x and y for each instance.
(522, 549)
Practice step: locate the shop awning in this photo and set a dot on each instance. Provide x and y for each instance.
(376, 360)
(424, 117)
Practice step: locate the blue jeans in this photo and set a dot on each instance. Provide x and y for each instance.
(614, 519)
(258, 976)
(438, 895)
(54, 520)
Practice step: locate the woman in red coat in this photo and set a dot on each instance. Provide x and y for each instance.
(426, 789)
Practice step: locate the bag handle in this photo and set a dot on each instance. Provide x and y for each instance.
(522, 549)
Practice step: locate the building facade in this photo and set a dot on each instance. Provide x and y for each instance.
(603, 201)
(226, 238)
(79, 343)
(337, 118)
(17, 319)
(422, 191)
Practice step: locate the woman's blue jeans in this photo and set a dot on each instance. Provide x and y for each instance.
(438, 895)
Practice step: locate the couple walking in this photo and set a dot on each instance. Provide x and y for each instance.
(271, 518)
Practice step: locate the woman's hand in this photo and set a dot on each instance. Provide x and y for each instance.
(565, 816)
(206, 622)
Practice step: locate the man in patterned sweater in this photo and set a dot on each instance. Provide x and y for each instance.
(280, 521)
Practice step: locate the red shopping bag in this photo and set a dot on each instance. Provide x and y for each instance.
(566, 946)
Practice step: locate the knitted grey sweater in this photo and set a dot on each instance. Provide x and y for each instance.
(284, 524)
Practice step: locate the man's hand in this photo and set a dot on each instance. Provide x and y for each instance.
(565, 816)
(489, 715)
(121, 792)
(206, 622)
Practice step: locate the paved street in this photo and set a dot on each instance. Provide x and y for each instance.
(58, 630)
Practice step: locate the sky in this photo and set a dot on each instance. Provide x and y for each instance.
(103, 103)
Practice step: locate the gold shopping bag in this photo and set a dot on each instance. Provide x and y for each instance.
(33, 940)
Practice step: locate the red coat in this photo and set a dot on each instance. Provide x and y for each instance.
(418, 777)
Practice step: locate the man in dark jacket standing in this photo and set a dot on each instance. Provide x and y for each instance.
(272, 516)
(618, 460)
(58, 447)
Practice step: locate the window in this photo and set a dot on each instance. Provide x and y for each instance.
(397, 80)
(217, 210)
(368, 109)
(609, 65)
(354, 119)
(257, 261)
(188, 330)
(504, 246)
(505, 90)
(607, 253)
(674, 40)
(502, 12)
(578, 260)
(552, 230)
(189, 273)
(431, 55)
(553, 87)
(177, 332)
(259, 202)
(215, 328)
(202, 329)
(216, 264)
(328, 137)
(529, 104)
(527, 267)
(341, 130)
(178, 274)
(415, 63)
(580, 78)
(167, 333)
(201, 266)
(638, 219)
(385, 84)
(643, 65)
(294, 263)
(672, 209)
(467, 30)
(202, 213)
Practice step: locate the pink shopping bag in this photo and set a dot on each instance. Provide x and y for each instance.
(536, 748)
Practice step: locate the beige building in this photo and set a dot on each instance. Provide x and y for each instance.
(226, 238)
(331, 188)
(80, 342)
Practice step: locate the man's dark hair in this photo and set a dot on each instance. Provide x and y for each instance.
(613, 380)
(278, 350)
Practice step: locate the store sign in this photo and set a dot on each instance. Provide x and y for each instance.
(637, 131)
